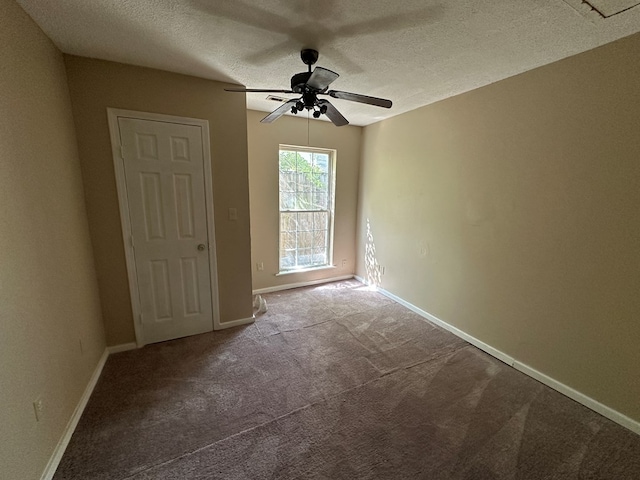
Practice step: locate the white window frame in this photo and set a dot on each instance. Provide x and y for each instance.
(331, 208)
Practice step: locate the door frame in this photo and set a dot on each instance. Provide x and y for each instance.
(113, 114)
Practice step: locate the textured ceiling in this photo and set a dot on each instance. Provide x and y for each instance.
(414, 52)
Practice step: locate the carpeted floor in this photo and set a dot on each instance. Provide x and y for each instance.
(335, 382)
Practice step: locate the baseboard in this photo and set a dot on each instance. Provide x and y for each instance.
(123, 347)
(54, 461)
(289, 286)
(235, 323)
(503, 357)
(560, 387)
(588, 402)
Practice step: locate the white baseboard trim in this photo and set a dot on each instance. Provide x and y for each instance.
(235, 323)
(494, 352)
(289, 286)
(588, 402)
(123, 347)
(560, 387)
(54, 461)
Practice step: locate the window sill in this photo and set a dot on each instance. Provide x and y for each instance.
(305, 270)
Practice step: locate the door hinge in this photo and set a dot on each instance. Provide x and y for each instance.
(121, 150)
(131, 241)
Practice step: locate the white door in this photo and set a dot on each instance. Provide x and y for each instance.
(164, 176)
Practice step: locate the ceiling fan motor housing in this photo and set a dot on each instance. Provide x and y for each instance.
(299, 80)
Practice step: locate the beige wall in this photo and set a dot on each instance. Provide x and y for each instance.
(264, 140)
(48, 291)
(96, 85)
(511, 212)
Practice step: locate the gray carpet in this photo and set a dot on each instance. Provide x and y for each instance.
(335, 382)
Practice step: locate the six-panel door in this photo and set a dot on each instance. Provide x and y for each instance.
(164, 173)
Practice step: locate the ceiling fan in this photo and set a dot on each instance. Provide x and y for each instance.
(310, 85)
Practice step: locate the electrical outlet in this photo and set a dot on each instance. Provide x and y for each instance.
(344, 263)
(37, 408)
(260, 266)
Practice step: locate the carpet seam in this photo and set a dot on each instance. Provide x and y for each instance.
(292, 412)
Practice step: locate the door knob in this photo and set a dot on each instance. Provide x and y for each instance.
(202, 246)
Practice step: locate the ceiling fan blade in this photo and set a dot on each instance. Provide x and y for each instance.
(278, 112)
(334, 115)
(356, 97)
(256, 90)
(321, 78)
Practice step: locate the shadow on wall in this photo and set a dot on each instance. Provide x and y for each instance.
(370, 261)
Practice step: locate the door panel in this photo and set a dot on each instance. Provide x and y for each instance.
(152, 209)
(184, 205)
(164, 174)
(190, 285)
(161, 290)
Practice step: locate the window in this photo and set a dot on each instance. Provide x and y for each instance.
(306, 207)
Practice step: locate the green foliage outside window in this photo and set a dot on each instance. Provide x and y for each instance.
(304, 178)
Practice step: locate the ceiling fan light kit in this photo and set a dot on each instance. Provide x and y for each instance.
(310, 85)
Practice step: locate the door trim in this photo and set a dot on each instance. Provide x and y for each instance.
(113, 115)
